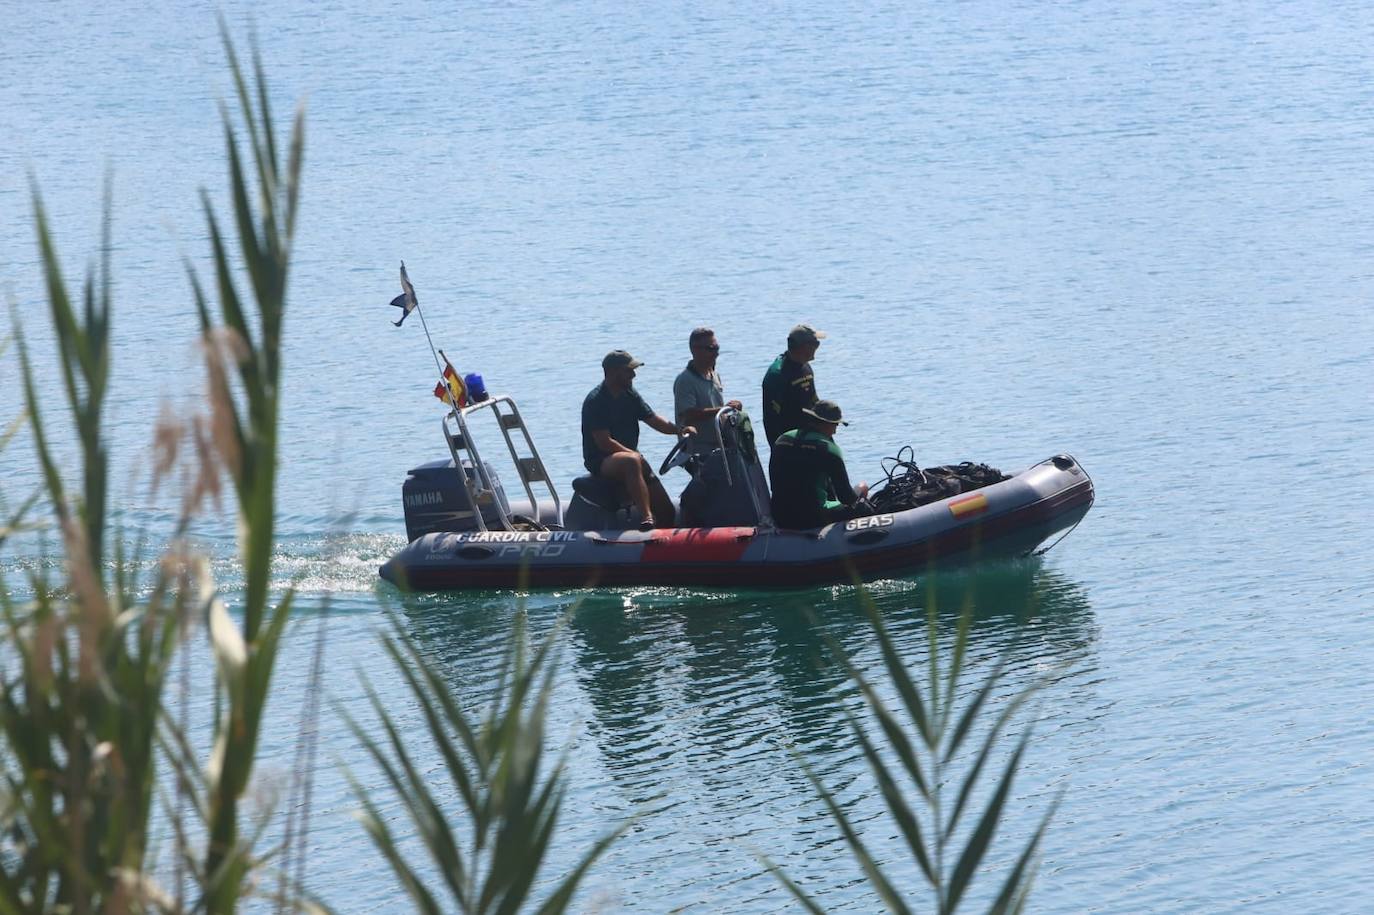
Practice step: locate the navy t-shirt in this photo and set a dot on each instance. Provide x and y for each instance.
(620, 416)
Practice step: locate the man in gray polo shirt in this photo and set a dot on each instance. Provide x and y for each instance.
(698, 393)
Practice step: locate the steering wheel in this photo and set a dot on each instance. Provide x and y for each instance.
(678, 457)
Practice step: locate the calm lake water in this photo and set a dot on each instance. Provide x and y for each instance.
(1141, 236)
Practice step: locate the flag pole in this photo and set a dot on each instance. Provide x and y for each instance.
(409, 292)
(432, 350)
(412, 302)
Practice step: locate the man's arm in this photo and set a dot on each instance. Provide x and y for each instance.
(697, 416)
(608, 445)
(839, 477)
(659, 424)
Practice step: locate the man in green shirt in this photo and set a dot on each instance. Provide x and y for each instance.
(810, 484)
(789, 386)
(611, 414)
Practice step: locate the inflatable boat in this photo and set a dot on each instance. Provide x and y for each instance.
(467, 532)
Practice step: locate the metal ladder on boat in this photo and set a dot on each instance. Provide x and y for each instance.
(480, 488)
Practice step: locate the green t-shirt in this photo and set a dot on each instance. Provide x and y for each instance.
(620, 416)
(788, 388)
(810, 484)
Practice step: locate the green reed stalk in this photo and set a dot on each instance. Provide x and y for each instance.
(927, 791)
(82, 712)
(493, 762)
(265, 194)
(78, 711)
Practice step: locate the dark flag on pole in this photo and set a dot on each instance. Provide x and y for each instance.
(406, 301)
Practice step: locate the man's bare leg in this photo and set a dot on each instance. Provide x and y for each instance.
(623, 466)
(665, 515)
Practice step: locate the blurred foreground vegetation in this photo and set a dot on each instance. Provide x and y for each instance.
(96, 746)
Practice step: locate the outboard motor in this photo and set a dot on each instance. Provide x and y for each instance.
(435, 499)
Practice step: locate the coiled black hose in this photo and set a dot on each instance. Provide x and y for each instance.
(906, 485)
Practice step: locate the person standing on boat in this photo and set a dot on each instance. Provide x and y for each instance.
(698, 392)
(806, 468)
(611, 414)
(789, 387)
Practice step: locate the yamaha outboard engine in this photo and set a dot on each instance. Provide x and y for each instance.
(435, 499)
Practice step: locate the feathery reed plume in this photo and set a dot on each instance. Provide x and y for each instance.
(246, 349)
(83, 717)
(79, 711)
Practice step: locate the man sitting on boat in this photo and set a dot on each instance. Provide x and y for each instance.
(611, 415)
(789, 385)
(810, 484)
(698, 392)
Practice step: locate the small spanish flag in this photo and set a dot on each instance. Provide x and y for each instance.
(451, 389)
(969, 506)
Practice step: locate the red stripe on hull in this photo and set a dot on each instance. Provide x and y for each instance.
(867, 565)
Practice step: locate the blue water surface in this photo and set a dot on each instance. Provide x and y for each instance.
(1138, 234)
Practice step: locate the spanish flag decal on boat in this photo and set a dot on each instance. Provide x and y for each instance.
(969, 506)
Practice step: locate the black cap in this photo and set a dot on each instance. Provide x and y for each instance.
(619, 359)
(804, 333)
(827, 411)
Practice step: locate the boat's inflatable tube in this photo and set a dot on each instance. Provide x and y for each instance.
(1005, 519)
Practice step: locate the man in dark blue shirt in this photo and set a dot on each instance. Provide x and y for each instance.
(611, 415)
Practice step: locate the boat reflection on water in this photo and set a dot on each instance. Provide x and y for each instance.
(690, 711)
(655, 673)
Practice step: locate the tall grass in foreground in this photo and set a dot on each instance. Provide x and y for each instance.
(929, 795)
(493, 764)
(84, 716)
(87, 728)
(266, 194)
(78, 710)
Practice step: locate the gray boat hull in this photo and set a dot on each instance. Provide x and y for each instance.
(1009, 518)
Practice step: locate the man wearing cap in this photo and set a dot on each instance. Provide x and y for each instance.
(789, 386)
(806, 468)
(698, 392)
(611, 414)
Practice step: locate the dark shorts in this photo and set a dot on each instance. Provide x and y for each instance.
(594, 467)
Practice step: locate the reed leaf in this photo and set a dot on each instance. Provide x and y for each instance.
(440, 718)
(496, 764)
(972, 710)
(978, 843)
(956, 661)
(79, 712)
(986, 750)
(910, 694)
(896, 804)
(892, 730)
(244, 689)
(930, 760)
(876, 878)
(1016, 888)
(791, 885)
